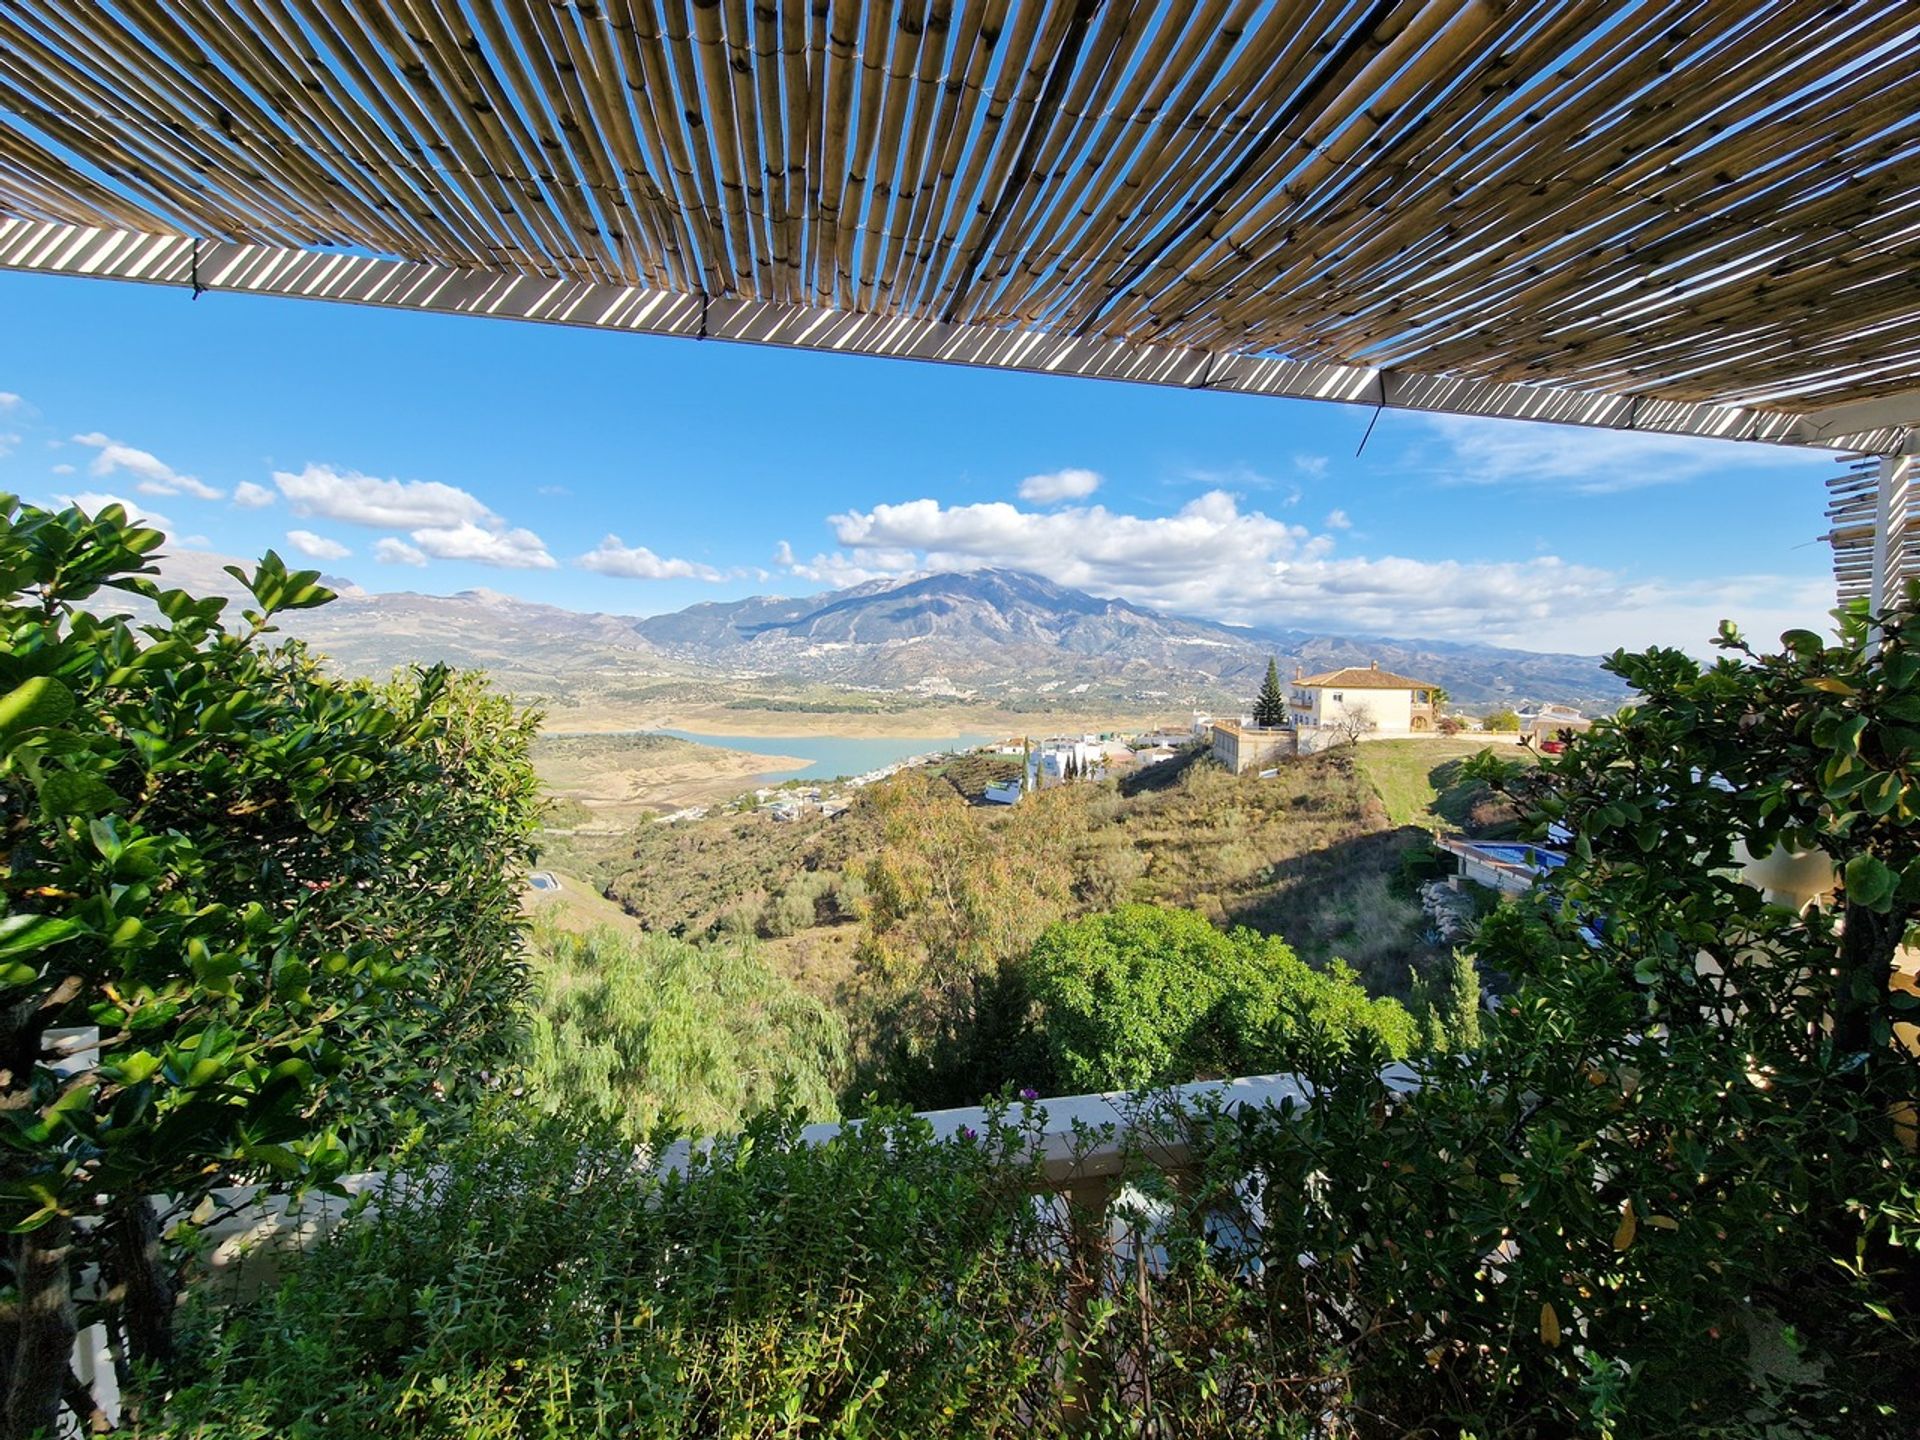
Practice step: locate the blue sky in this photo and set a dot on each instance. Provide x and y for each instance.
(635, 475)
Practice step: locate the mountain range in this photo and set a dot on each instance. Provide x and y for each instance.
(997, 636)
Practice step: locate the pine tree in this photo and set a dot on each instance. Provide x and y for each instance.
(1270, 709)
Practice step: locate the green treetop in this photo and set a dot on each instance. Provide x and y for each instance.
(1145, 995)
(1270, 708)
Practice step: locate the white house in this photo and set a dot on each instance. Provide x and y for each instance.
(1545, 722)
(1088, 757)
(1385, 704)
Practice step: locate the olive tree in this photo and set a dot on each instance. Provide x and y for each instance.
(255, 921)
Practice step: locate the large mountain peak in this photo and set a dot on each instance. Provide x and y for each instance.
(1013, 633)
(1004, 636)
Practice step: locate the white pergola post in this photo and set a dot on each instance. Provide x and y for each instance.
(1890, 528)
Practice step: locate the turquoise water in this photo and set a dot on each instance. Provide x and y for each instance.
(1530, 855)
(830, 756)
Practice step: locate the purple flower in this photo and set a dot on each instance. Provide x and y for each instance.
(967, 1132)
(1027, 1092)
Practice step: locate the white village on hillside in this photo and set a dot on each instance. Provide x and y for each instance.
(1347, 706)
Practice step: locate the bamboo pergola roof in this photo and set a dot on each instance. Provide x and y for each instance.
(1690, 217)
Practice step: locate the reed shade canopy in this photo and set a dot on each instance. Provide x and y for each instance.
(1693, 217)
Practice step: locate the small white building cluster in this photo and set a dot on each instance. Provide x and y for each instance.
(1063, 758)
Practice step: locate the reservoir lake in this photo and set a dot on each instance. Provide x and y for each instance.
(830, 756)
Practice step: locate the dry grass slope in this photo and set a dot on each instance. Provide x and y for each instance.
(1320, 855)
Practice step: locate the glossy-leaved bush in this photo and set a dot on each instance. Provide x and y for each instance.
(255, 921)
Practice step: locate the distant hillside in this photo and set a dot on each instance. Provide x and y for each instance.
(538, 651)
(534, 649)
(998, 636)
(1006, 634)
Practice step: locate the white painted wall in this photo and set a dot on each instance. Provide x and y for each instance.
(1391, 710)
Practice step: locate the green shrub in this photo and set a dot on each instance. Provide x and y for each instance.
(1149, 996)
(288, 903)
(881, 1285)
(796, 907)
(1446, 1005)
(645, 1030)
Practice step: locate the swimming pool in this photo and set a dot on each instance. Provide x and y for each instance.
(1532, 857)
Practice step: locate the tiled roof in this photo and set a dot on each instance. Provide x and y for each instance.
(1364, 677)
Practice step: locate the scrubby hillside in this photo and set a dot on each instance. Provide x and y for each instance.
(1314, 855)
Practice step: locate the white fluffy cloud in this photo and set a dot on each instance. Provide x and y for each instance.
(357, 499)
(153, 476)
(9, 400)
(1058, 485)
(1213, 558)
(390, 551)
(249, 496)
(63, 469)
(1339, 520)
(8, 440)
(490, 544)
(443, 521)
(318, 547)
(1185, 560)
(636, 562)
(1580, 461)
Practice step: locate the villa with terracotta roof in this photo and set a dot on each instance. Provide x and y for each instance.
(1395, 704)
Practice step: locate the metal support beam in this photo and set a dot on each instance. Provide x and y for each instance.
(51, 249)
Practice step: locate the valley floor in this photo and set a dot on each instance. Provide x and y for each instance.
(604, 777)
(930, 720)
(607, 782)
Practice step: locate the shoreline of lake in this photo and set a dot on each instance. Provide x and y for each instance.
(828, 757)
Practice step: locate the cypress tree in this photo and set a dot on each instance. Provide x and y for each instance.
(1463, 1002)
(1270, 709)
(1428, 1020)
(1446, 1006)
